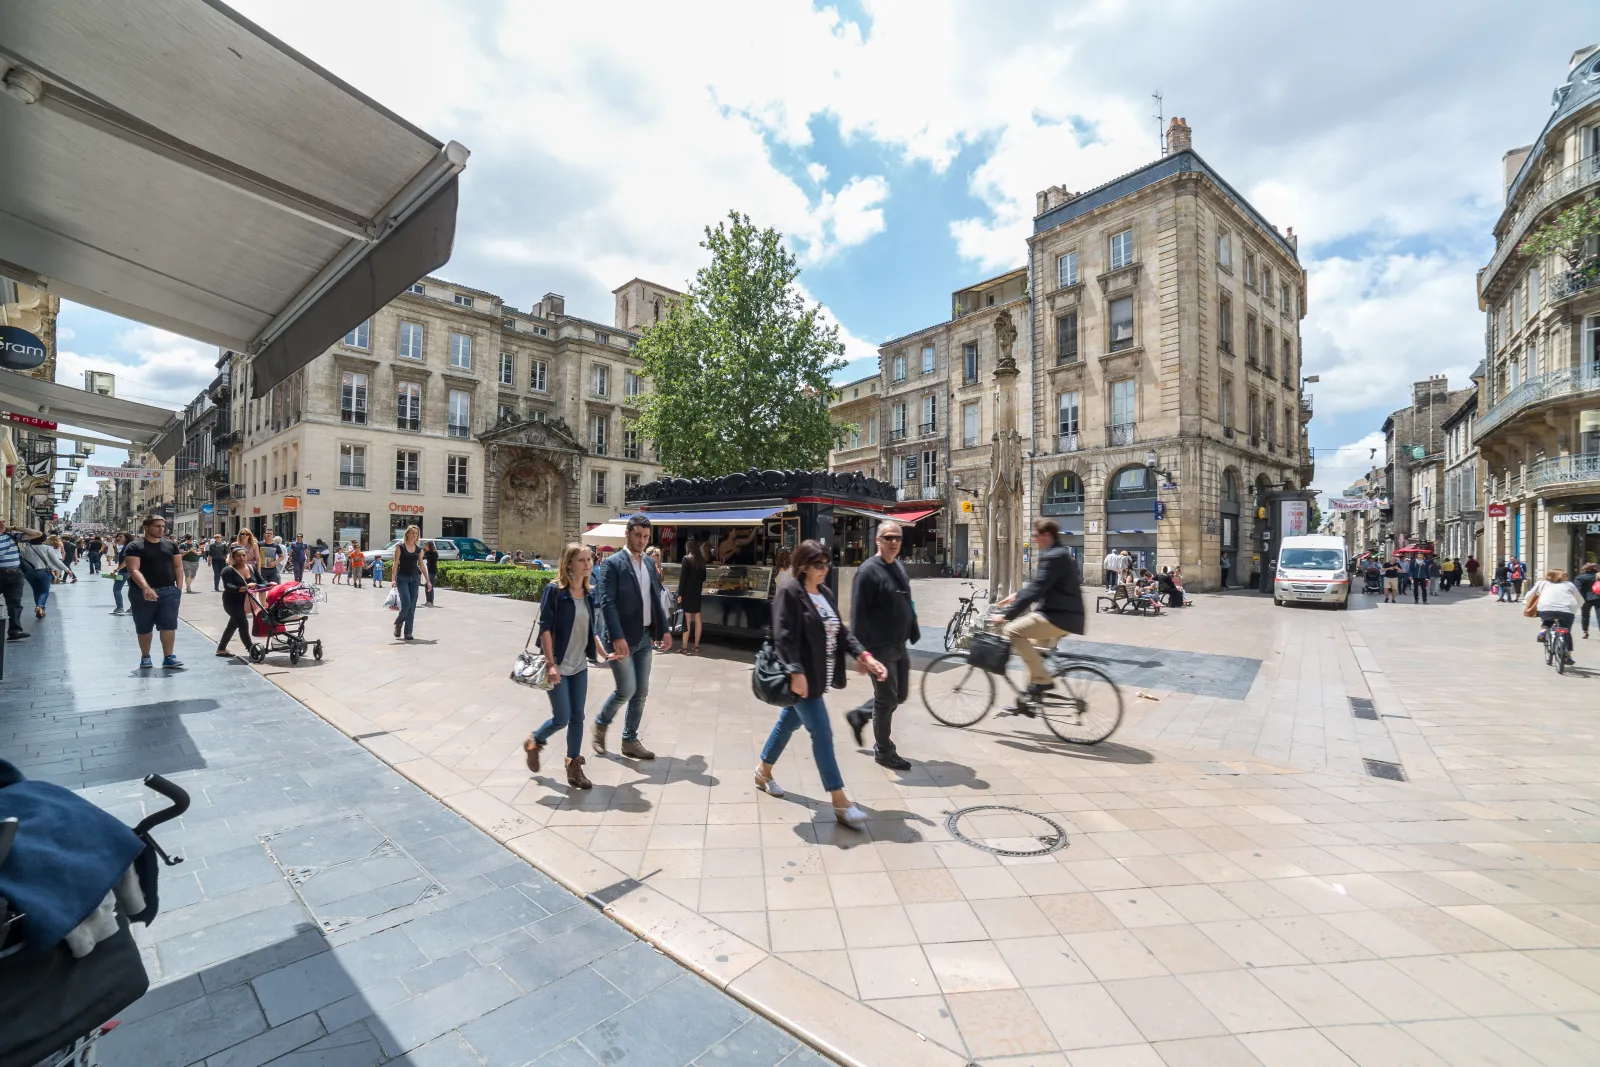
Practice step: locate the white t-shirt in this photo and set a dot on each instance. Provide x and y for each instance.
(641, 571)
(1113, 562)
(1557, 596)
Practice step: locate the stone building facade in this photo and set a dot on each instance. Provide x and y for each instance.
(456, 411)
(1463, 518)
(857, 406)
(1538, 427)
(1414, 455)
(1166, 328)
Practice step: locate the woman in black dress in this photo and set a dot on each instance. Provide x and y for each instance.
(236, 577)
(691, 579)
(430, 560)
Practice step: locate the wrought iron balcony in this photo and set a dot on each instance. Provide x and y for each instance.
(1305, 408)
(1571, 283)
(1576, 178)
(1068, 442)
(921, 492)
(1567, 383)
(928, 429)
(1122, 433)
(1574, 470)
(898, 433)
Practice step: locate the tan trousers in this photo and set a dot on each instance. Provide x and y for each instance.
(1028, 633)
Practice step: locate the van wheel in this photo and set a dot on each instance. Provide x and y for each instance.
(1276, 602)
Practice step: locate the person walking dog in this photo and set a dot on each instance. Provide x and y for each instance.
(629, 596)
(884, 619)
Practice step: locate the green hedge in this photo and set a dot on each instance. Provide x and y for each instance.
(520, 583)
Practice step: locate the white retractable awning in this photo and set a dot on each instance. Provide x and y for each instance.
(136, 426)
(170, 162)
(607, 533)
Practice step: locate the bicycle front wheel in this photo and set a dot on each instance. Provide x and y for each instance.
(952, 632)
(1084, 708)
(955, 692)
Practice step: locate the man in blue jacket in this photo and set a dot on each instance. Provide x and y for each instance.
(1418, 570)
(629, 595)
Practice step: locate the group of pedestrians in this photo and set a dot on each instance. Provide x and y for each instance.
(1508, 578)
(619, 613)
(1416, 573)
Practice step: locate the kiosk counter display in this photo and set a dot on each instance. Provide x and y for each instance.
(747, 526)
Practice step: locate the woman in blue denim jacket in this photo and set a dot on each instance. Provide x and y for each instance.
(567, 625)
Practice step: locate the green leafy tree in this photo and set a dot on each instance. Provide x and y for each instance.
(1566, 235)
(741, 369)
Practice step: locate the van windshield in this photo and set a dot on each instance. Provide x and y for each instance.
(1311, 559)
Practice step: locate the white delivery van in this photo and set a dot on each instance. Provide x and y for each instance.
(1312, 569)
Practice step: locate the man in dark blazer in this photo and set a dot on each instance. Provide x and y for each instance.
(629, 595)
(1046, 609)
(884, 618)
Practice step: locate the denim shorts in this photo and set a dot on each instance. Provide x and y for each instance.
(158, 614)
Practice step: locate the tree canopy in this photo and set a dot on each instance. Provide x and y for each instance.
(741, 369)
(1567, 234)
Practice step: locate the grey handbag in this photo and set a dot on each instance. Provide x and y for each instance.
(530, 667)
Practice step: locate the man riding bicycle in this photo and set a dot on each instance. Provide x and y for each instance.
(1047, 608)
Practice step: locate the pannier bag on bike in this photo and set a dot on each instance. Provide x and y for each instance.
(989, 652)
(769, 679)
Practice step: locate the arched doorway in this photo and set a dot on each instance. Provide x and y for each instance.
(1228, 529)
(1063, 502)
(1130, 514)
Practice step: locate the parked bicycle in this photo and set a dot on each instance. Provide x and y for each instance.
(1083, 707)
(965, 620)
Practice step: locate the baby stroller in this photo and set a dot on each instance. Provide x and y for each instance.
(280, 620)
(72, 878)
(1374, 581)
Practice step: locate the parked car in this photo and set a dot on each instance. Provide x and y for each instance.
(445, 546)
(468, 548)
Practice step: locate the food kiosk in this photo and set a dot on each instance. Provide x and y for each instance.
(747, 527)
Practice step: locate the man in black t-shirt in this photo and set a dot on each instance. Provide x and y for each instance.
(217, 552)
(153, 569)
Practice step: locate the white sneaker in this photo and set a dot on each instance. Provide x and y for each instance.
(768, 786)
(852, 817)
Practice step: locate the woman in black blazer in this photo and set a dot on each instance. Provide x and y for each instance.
(809, 634)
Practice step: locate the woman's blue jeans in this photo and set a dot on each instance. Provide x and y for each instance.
(566, 711)
(407, 587)
(40, 580)
(116, 589)
(811, 713)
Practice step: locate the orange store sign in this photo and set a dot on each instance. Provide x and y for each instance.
(409, 509)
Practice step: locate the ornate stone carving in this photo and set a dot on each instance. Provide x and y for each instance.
(756, 484)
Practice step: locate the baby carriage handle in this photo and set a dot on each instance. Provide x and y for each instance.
(180, 804)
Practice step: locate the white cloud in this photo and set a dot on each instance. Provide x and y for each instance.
(1338, 467)
(150, 365)
(817, 172)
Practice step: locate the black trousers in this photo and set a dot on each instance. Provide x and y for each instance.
(11, 588)
(1419, 590)
(238, 623)
(216, 576)
(1588, 606)
(888, 695)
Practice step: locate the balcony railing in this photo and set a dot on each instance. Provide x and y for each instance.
(1566, 383)
(1563, 470)
(1305, 409)
(921, 492)
(1570, 283)
(1123, 433)
(1068, 442)
(1576, 178)
(898, 433)
(928, 429)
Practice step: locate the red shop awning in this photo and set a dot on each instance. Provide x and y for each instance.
(911, 516)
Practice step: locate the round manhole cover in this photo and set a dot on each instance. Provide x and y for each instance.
(1006, 830)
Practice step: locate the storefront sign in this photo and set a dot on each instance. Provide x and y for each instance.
(1577, 516)
(207, 509)
(20, 350)
(1296, 517)
(1495, 511)
(133, 474)
(29, 420)
(1356, 503)
(406, 509)
(291, 503)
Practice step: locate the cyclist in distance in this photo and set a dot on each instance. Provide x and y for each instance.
(1044, 610)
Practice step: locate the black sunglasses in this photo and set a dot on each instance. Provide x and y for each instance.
(888, 537)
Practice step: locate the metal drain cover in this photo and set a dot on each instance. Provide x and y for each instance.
(1006, 830)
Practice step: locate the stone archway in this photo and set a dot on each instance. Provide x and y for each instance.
(533, 496)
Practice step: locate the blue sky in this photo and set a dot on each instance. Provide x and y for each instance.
(899, 146)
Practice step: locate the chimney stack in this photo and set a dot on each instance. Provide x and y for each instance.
(1051, 198)
(1178, 137)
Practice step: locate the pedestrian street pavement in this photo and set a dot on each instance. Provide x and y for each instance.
(1236, 886)
(328, 912)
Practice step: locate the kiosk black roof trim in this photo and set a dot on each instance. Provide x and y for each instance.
(762, 485)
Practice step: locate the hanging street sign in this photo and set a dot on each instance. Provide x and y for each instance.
(29, 420)
(20, 350)
(136, 474)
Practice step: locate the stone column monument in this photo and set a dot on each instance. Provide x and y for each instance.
(1005, 536)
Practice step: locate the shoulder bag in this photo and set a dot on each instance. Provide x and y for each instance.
(530, 667)
(1530, 607)
(769, 679)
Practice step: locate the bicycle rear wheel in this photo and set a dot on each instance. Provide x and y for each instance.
(952, 632)
(955, 692)
(1084, 708)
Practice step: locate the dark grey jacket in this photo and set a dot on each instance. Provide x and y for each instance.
(1054, 591)
(881, 612)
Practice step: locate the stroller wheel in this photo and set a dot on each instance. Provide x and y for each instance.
(294, 655)
(258, 653)
(316, 650)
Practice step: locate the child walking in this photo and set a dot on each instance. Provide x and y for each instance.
(357, 562)
(338, 565)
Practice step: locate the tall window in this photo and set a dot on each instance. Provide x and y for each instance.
(1533, 289)
(539, 415)
(598, 425)
(407, 471)
(630, 480)
(1591, 339)
(461, 350)
(504, 412)
(464, 300)
(1224, 323)
(1121, 323)
(631, 384)
(455, 475)
(969, 362)
(1287, 296)
(872, 430)
(1268, 345)
(899, 368)
(1224, 250)
(1225, 403)
(408, 406)
(1067, 270)
(600, 380)
(1270, 423)
(410, 340)
(508, 369)
(358, 337)
(930, 414)
(1067, 338)
(602, 338)
(1124, 393)
(1252, 340)
(1121, 249)
(971, 415)
(1250, 269)
(353, 398)
(855, 437)
(1254, 415)
(1288, 429)
(631, 448)
(1266, 284)
(898, 424)
(460, 413)
(353, 466)
(1067, 422)
(597, 487)
(1288, 361)
(927, 359)
(930, 468)
(538, 377)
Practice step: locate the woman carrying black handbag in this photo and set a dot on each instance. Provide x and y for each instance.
(809, 635)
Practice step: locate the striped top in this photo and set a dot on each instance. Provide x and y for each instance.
(10, 558)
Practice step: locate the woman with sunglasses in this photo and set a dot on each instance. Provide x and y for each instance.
(808, 633)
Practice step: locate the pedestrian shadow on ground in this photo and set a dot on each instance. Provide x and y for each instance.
(1048, 745)
(883, 824)
(941, 774)
(122, 744)
(627, 796)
